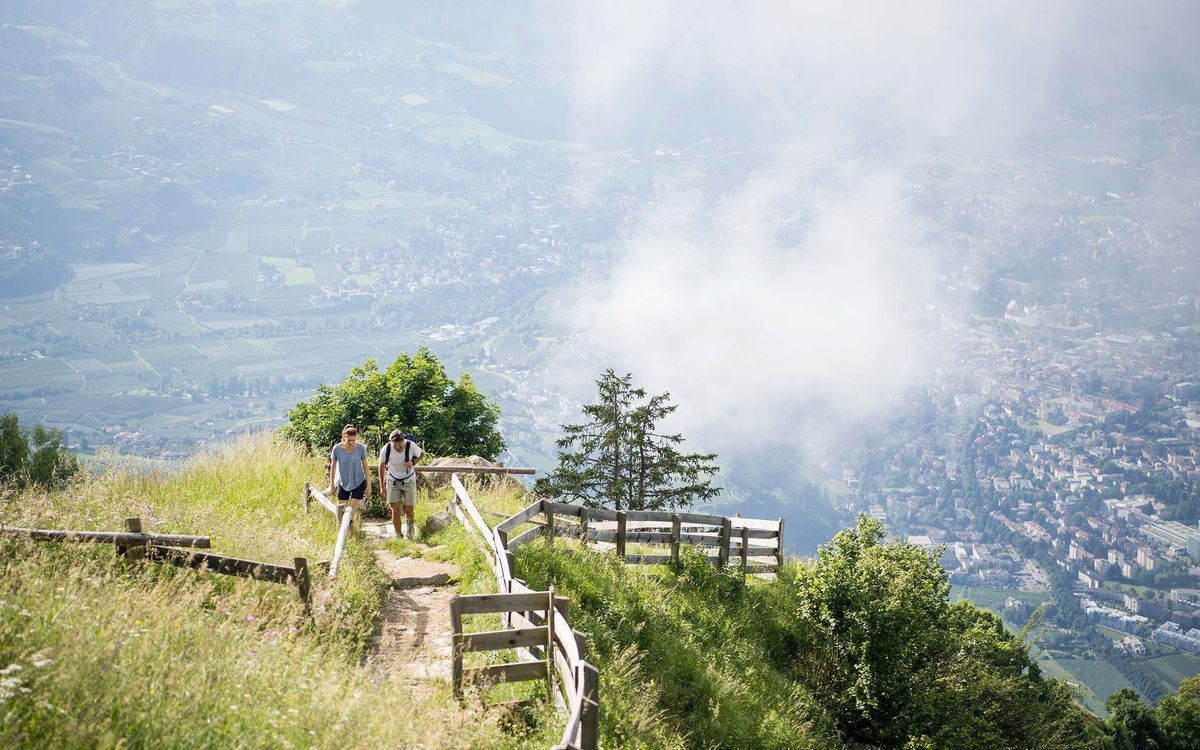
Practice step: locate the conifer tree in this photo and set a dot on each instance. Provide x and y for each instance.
(619, 458)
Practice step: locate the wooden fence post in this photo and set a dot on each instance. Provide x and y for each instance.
(621, 533)
(779, 549)
(589, 735)
(549, 529)
(675, 539)
(307, 497)
(745, 548)
(456, 630)
(303, 583)
(583, 525)
(550, 644)
(134, 551)
(726, 529)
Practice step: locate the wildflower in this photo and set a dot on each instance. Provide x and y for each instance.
(249, 618)
(9, 687)
(10, 669)
(40, 660)
(272, 633)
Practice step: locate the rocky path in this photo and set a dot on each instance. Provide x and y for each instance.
(413, 641)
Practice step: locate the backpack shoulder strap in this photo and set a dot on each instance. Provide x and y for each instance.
(407, 450)
(387, 452)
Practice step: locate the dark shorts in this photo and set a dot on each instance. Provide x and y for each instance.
(354, 494)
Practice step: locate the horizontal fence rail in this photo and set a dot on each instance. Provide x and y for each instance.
(108, 537)
(181, 550)
(343, 513)
(473, 470)
(754, 545)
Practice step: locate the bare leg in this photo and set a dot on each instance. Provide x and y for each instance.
(395, 508)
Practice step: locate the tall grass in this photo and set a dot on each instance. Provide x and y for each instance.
(98, 652)
(695, 657)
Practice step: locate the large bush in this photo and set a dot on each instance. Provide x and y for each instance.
(413, 394)
(898, 665)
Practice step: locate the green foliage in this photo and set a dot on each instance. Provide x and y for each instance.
(34, 456)
(1178, 716)
(413, 394)
(860, 646)
(1174, 724)
(1131, 724)
(896, 664)
(620, 458)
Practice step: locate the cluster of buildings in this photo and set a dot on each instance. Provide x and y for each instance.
(1082, 440)
(1172, 634)
(1113, 618)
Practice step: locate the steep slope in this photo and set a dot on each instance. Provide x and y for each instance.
(98, 652)
(859, 648)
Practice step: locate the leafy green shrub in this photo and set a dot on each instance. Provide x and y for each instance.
(860, 646)
(413, 394)
(34, 456)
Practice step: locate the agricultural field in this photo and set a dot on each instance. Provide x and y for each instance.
(1096, 681)
(1173, 668)
(232, 251)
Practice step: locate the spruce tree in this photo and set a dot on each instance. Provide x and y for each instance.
(619, 458)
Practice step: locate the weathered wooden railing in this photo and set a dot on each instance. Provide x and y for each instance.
(565, 650)
(343, 512)
(177, 549)
(496, 640)
(755, 545)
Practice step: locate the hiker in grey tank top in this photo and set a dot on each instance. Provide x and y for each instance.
(348, 468)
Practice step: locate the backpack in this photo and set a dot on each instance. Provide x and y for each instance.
(387, 454)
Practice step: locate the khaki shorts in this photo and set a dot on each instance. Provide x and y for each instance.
(401, 492)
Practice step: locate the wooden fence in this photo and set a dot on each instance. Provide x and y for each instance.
(134, 544)
(754, 545)
(538, 617)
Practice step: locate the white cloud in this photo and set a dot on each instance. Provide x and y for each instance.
(758, 338)
(769, 335)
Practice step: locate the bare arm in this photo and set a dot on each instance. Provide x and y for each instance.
(367, 474)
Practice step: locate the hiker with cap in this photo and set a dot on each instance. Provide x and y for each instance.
(398, 479)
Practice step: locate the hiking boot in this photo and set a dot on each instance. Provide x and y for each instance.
(412, 532)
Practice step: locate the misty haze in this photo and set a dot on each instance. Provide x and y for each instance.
(936, 265)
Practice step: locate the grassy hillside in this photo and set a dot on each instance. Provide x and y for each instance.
(97, 653)
(859, 646)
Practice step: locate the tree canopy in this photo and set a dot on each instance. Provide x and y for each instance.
(620, 458)
(1174, 724)
(35, 456)
(898, 665)
(413, 394)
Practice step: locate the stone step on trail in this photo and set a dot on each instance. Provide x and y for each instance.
(412, 643)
